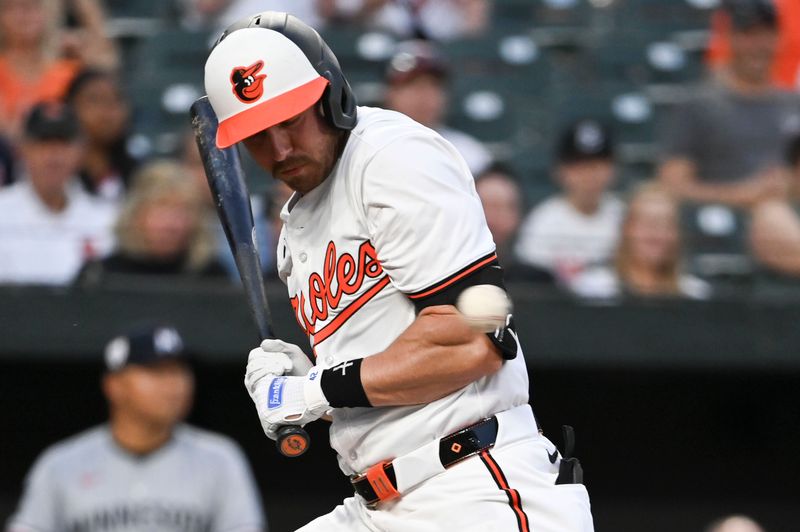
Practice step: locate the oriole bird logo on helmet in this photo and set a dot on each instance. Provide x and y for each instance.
(247, 82)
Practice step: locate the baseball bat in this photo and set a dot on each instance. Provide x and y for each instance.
(232, 200)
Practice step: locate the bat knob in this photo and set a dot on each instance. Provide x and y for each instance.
(292, 441)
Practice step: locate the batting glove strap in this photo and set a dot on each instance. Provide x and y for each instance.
(316, 402)
(342, 386)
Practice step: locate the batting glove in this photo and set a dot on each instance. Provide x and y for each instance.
(289, 400)
(274, 357)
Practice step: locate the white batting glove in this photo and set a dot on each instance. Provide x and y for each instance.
(274, 357)
(289, 400)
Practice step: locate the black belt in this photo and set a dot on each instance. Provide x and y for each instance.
(379, 483)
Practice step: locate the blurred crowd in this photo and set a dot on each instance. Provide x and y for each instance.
(79, 204)
(82, 204)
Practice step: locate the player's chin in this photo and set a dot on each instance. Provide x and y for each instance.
(302, 180)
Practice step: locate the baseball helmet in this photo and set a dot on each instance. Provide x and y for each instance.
(268, 68)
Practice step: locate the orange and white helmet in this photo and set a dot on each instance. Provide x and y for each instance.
(268, 68)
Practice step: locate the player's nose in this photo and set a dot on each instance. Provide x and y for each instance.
(280, 143)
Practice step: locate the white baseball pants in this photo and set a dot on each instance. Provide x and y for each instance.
(507, 489)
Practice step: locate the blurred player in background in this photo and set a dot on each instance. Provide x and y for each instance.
(734, 523)
(144, 470)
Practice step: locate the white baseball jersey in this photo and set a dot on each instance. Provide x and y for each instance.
(398, 219)
(198, 481)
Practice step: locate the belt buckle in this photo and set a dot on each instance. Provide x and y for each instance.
(381, 485)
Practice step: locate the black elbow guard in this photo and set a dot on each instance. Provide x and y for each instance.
(505, 339)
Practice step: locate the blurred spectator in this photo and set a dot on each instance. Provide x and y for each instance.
(144, 469)
(416, 80)
(103, 113)
(727, 144)
(161, 229)
(501, 198)
(216, 15)
(39, 57)
(579, 227)
(48, 225)
(734, 523)
(786, 65)
(775, 225)
(648, 261)
(192, 162)
(440, 20)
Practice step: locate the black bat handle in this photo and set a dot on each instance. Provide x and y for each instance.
(231, 197)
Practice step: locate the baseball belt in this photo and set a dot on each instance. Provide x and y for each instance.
(379, 483)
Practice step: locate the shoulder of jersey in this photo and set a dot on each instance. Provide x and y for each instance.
(205, 440)
(378, 127)
(77, 447)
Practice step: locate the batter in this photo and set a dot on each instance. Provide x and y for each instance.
(430, 418)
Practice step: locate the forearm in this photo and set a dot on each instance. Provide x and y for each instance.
(680, 177)
(775, 236)
(437, 355)
(736, 195)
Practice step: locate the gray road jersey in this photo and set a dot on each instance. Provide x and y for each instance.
(199, 481)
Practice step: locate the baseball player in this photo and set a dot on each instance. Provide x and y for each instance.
(143, 471)
(384, 231)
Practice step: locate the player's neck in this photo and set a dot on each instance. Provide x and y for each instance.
(138, 438)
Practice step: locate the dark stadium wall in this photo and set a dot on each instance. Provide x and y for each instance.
(662, 450)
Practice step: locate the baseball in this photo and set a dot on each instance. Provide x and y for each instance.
(484, 307)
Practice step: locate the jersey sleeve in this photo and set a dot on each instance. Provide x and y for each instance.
(424, 217)
(239, 507)
(38, 507)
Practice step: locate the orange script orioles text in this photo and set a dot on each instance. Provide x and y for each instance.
(341, 274)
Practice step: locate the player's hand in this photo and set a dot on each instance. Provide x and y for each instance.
(289, 400)
(274, 357)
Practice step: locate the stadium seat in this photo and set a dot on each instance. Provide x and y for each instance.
(715, 238)
(136, 8)
(166, 76)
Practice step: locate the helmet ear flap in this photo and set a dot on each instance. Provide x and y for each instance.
(338, 102)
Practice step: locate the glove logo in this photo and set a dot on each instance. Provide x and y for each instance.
(276, 393)
(247, 83)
